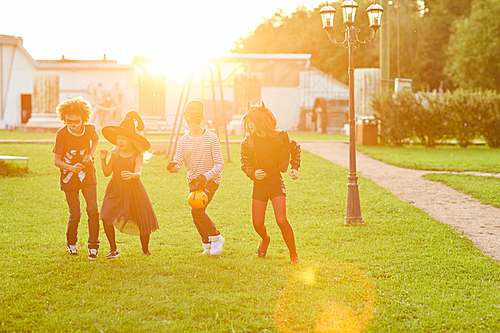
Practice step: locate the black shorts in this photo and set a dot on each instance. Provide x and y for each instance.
(264, 191)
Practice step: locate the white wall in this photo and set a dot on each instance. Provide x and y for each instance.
(21, 82)
(316, 84)
(173, 93)
(74, 83)
(366, 81)
(285, 103)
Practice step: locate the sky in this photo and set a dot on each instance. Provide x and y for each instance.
(176, 33)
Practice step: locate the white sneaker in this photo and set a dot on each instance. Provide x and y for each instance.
(216, 244)
(206, 248)
(93, 253)
(73, 249)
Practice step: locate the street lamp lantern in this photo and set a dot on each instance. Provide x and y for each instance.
(349, 8)
(374, 11)
(328, 17)
(375, 15)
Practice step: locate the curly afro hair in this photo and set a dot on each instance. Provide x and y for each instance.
(77, 106)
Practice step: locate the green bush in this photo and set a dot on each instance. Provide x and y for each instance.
(431, 121)
(464, 111)
(394, 115)
(463, 115)
(490, 119)
(12, 170)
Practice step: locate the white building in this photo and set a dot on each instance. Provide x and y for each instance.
(289, 84)
(17, 69)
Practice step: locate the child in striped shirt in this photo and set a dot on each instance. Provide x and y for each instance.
(199, 150)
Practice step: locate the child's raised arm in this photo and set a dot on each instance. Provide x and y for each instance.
(107, 168)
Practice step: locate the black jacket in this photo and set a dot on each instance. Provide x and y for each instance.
(289, 154)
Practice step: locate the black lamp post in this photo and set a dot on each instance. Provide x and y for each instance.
(349, 7)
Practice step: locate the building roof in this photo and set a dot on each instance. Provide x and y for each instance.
(63, 63)
(266, 56)
(17, 41)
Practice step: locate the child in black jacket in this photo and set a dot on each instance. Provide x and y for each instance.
(266, 152)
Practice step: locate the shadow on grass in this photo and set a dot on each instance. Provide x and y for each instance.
(11, 170)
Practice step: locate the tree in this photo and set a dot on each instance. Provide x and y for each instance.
(421, 28)
(404, 21)
(301, 32)
(437, 23)
(474, 50)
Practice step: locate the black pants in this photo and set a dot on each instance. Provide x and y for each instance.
(201, 220)
(73, 200)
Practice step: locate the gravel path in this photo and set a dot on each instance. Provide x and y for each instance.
(478, 222)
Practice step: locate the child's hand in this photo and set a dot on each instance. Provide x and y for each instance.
(171, 166)
(260, 174)
(104, 154)
(201, 182)
(294, 173)
(115, 151)
(88, 159)
(126, 175)
(77, 167)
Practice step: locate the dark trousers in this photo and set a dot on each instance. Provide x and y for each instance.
(73, 200)
(201, 220)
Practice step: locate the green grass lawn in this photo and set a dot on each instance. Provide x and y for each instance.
(450, 158)
(22, 135)
(485, 189)
(403, 271)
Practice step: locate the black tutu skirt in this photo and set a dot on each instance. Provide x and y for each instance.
(126, 205)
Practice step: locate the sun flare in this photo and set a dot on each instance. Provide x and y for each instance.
(332, 297)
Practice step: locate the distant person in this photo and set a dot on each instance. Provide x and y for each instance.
(266, 152)
(126, 204)
(74, 150)
(199, 150)
(117, 98)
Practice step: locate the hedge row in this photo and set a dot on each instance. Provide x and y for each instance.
(462, 115)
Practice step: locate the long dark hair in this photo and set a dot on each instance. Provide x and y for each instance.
(263, 118)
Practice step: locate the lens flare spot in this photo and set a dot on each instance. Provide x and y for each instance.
(338, 319)
(326, 297)
(308, 276)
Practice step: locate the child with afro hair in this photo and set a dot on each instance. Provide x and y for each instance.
(73, 151)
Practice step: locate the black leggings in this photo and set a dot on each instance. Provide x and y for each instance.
(110, 234)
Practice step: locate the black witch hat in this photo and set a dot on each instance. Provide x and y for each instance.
(129, 127)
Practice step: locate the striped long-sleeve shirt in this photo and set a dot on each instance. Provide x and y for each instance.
(201, 155)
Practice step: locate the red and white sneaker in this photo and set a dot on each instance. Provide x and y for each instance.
(72, 249)
(93, 253)
(113, 254)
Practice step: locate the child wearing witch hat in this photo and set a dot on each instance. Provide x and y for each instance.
(126, 204)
